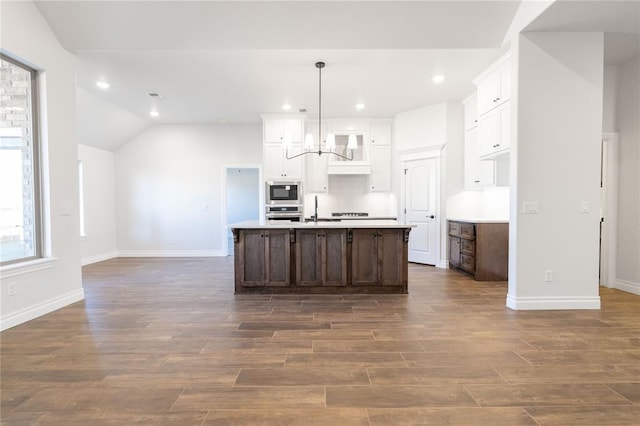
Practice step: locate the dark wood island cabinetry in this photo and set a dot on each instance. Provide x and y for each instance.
(321, 258)
(480, 249)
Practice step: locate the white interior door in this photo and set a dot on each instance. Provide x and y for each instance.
(608, 209)
(420, 209)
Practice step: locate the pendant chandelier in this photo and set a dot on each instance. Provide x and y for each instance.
(330, 141)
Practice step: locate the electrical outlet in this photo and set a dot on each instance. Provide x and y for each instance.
(11, 289)
(548, 276)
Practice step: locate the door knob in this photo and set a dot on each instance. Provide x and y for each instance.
(431, 217)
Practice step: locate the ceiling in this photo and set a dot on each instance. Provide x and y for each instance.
(229, 61)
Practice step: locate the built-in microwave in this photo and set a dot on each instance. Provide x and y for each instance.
(283, 192)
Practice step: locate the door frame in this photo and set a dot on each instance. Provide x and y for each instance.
(609, 226)
(430, 152)
(224, 170)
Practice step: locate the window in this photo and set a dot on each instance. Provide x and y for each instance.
(20, 218)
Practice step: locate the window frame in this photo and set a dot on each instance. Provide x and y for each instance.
(36, 154)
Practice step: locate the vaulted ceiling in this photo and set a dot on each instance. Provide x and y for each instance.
(229, 61)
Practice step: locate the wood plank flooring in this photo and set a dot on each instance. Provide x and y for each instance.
(165, 341)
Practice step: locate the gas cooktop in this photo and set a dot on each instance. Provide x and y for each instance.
(349, 214)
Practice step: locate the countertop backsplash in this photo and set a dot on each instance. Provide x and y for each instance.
(351, 194)
(490, 204)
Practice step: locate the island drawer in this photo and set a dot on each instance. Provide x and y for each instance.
(468, 230)
(468, 247)
(454, 229)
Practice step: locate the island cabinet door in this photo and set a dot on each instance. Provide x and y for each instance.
(334, 257)
(391, 257)
(308, 257)
(277, 258)
(364, 257)
(249, 258)
(321, 258)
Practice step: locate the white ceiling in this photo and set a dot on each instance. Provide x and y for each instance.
(229, 61)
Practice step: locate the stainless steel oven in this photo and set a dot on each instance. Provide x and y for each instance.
(282, 213)
(283, 192)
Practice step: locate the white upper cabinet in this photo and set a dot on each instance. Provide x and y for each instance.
(380, 132)
(494, 109)
(494, 131)
(494, 85)
(477, 173)
(278, 167)
(277, 128)
(470, 112)
(380, 178)
(317, 179)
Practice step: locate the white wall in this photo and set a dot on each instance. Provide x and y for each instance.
(105, 125)
(169, 187)
(610, 99)
(628, 126)
(26, 36)
(420, 128)
(555, 161)
(99, 241)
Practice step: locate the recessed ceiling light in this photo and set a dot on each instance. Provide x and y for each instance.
(286, 107)
(102, 84)
(438, 78)
(359, 106)
(154, 113)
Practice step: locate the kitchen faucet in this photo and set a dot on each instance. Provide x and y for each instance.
(315, 215)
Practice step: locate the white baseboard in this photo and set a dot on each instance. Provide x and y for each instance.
(99, 258)
(628, 286)
(443, 264)
(171, 253)
(40, 309)
(552, 303)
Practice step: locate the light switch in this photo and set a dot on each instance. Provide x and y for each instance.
(531, 207)
(65, 210)
(585, 207)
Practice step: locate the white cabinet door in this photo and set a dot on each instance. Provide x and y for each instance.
(494, 131)
(277, 166)
(471, 112)
(293, 168)
(293, 127)
(273, 158)
(380, 133)
(488, 90)
(380, 179)
(276, 129)
(494, 88)
(477, 173)
(316, 172)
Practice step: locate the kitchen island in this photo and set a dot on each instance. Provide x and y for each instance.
(321, 257)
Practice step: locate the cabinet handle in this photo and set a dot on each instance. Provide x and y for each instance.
(476, 181)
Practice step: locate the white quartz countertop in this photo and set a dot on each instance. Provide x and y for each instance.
(453, 219)
(254, 224)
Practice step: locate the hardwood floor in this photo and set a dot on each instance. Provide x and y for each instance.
(165, 341)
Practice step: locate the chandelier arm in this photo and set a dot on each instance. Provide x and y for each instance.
(319, 152)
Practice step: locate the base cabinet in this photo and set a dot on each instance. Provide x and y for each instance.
(321, 260)
(480, 249)
(263, 258)
(377, 257)
(321, 257)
